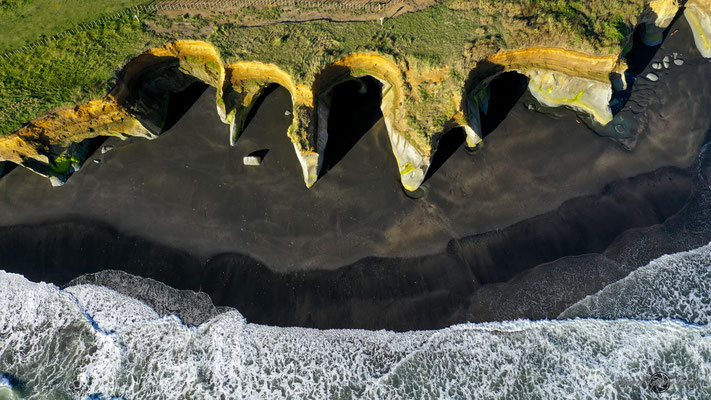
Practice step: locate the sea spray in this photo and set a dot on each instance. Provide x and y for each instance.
(672, 286)
(50, 339)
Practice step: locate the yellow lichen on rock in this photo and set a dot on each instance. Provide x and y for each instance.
(413, 160)
(65, 126)
(557, 77)
(569, 62)
(37, 144)
(245, 83)
(554, 89)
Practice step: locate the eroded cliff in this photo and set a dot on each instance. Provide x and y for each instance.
(420, 100)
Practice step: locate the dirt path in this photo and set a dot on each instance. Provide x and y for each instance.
(267, 12)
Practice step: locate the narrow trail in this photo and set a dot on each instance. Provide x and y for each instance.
(301, 10)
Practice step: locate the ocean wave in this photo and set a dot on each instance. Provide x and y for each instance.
(90, 341)
(672, 286)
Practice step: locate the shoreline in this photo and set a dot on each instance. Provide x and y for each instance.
(372, 293)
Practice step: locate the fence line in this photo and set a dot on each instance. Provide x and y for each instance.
(367, 5)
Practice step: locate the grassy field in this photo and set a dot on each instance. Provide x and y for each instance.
(66, 72)
(26, 21)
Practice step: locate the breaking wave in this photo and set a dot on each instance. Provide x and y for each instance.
(672, 286)
(90, 342)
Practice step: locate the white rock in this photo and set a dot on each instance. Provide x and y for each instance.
(679, 62)
(698, 15)
(554, 89)
(665, 61)
(55, 181)
(657, 65)
(287, 112)
(106, 149)
(97, 161)
(252, 160)
(652, 77)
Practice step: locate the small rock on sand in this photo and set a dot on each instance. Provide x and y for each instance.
(657, 65)
(97, 161)
(652, 77)
(252, 160)
(679, 62)
(666, 61)
(106, 149)
(287, 112)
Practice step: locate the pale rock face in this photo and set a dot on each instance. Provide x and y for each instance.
(411, 163)
(309, 164)
(554, 89)
(252, 161)
(323, 109)
(478, 100)
(698, 14)
(662, 12)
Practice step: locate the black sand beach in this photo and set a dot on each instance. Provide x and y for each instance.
(525, 211)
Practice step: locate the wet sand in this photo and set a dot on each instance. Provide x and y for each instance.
(354, 251)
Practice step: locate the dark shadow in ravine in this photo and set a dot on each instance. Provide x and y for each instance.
(258, 102)
(180, 102)
(506, 89)
(449, 143)
(355, 108)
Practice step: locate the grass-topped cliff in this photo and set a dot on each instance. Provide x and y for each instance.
(438, 54)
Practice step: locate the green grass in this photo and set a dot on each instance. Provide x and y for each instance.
(67, 72)
(25, 21)
(436, 35)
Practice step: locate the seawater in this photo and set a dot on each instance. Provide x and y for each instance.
(89, 342)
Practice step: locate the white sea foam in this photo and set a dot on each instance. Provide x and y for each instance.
(672, 286)
(101, 303)
(87, 340)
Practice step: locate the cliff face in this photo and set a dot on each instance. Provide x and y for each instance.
(136, 106)
(415, 94)
(698, 13)
(658, 15)
(50, 144)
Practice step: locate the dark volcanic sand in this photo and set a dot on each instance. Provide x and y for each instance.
(184, 210)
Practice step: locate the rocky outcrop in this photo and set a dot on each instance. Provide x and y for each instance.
(137, 104)
(589, 97)
(412, 161)
(698, 14)
(245, 83)
(420, 98)
(657, 16)
(557, 77)
(54, 145)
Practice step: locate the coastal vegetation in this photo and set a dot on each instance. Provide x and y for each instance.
(26, 21)
(441, 54)
(453, 35)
